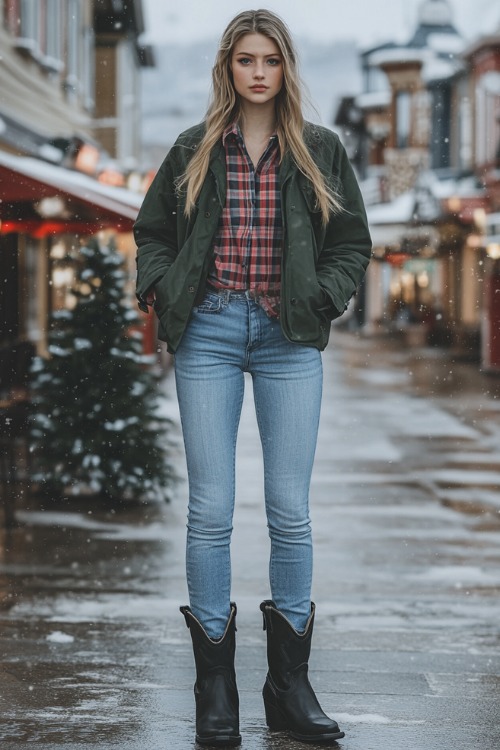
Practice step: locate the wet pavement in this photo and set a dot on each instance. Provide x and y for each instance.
(406, 517)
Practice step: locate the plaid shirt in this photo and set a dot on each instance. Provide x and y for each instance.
(248, 242)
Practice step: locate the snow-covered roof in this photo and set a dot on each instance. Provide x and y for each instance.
(434, 66)
(387, 234)
(437, 69)
(398, 211)
(451, 187)
(397, 55)
(490, 81)
(374, 99)
(118, 200)
(447, 43)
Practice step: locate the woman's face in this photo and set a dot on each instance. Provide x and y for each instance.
(257, 68)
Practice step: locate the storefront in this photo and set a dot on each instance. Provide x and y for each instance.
(406, 277)
(490, 349)
(46, 212)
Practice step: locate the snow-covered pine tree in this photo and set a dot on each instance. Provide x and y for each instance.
(96, 425)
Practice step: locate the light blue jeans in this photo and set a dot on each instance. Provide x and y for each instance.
(230, 334)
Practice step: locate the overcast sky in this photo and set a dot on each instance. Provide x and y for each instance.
(366, 21)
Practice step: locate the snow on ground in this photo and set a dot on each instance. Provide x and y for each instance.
(57, 636)
(344, 718)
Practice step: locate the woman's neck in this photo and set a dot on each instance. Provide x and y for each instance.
(258, 122)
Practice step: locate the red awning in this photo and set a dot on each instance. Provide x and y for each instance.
(90, 206)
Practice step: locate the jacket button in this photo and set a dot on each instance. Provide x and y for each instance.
(191, 289)
(293, 301)
(207, 214)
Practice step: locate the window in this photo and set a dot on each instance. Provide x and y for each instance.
(29, 31)
(465, 133)
(488, 127)
(376, 80)
(73, 26)
(11, 14)
(53, 32)
(403, 119)
(37, 27)
(88, 72)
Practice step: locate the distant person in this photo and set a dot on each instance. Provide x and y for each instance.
(251, 240)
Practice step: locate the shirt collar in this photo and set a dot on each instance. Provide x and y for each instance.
(233, 129)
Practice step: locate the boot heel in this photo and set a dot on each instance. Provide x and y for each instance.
(290, 702)
(275, 719)
(216, 694)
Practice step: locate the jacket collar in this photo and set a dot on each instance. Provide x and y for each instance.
(287, 167)
(217, 167)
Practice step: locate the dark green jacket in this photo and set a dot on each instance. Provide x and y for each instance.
(321, 265)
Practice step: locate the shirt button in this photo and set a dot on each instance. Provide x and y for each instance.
(207, 214)
(191, 289)
(293, 301)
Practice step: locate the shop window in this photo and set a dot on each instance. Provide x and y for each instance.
(9, 282)
(62, 273)
(31, 287)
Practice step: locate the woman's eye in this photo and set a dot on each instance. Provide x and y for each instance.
(244, 60)
(273, 61)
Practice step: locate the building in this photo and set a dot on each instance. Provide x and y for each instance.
(116, 125)
(429, 180)
(483, 144)
(63, 152)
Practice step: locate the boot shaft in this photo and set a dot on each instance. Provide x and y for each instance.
(208, 653)
(215, 690)
(290, 701)
(287, 650)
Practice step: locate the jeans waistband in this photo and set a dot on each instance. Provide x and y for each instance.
(228, 294)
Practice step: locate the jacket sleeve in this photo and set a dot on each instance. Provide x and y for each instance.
(347, 245)
(155, 230)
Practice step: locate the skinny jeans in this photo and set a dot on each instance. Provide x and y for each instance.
(230, 334)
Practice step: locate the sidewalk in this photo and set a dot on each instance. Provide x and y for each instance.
(406, 518)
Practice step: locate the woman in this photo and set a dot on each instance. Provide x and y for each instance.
(251, 240)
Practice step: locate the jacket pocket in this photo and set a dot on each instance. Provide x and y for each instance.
(161, 297)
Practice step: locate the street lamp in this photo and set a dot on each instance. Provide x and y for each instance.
(493, 250)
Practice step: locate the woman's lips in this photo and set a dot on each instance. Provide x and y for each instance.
(259, 88)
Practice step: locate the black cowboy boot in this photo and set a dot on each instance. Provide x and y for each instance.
(216, 694)
(290, 702)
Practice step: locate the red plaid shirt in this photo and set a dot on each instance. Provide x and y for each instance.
(248, 242)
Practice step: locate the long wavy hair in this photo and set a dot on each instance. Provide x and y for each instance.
(224, 108)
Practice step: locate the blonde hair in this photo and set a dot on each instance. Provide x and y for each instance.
(224, 108)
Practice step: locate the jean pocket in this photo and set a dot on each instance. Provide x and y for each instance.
(212, 303)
